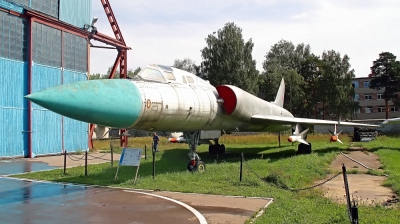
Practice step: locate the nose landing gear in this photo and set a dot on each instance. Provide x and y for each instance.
(195, 163)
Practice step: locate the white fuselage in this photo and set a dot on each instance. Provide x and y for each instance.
(186, 107)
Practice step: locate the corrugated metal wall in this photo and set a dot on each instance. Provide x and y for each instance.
(46, 125)
(10, 6)
(50, 132)
(76, 12)
(74, 131)
(13, 108)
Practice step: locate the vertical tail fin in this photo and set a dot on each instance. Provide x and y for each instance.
(280, 95)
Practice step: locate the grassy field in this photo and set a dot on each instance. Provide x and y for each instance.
(267, 172)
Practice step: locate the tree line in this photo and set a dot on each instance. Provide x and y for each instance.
(312, 81)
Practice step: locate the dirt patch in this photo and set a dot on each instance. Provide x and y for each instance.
(367, 189)
(368, 159)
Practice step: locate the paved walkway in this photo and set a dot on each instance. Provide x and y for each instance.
(41, 202)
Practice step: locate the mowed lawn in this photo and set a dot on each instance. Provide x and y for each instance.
(268, 171)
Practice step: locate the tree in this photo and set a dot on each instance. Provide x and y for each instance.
(227, 59)
(132, 73)
(334, 88)
(96, 76)
(284, 60)
(186, 64)
(385, 74)
(310, 70)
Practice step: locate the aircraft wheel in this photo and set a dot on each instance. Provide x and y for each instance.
(211, 149)
(200, 167)
(222, 149)
(304, 149)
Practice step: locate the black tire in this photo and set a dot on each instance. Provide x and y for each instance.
(304, 149)
(200, 167)
(190, 167)
(222, 147)
(211, 149)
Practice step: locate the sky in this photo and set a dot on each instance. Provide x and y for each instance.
(159, 32)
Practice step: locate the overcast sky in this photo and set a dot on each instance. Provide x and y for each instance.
(161, 31)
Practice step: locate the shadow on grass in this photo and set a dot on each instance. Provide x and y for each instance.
(383, 147)
(175, 161)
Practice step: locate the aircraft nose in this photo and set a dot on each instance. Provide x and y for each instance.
(109, 102)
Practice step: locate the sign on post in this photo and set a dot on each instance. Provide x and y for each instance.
(130, 157)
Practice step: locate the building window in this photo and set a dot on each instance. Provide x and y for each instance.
(358, 111)
(368, 110)
(50, 7)
(381, 109)
(46, 43)
(380, 96)
(355, 84)
(366, 84)
(320, 112)
(393, 109)
(367, 97)
(13, 37)
(75, 52)
(356, 97)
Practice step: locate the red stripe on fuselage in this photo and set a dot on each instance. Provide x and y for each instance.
(229, 97)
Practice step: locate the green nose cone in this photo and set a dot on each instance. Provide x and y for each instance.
(108, 102)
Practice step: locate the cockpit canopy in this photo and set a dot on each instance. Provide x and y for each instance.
(167, 74)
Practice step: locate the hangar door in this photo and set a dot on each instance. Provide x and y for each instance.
(55, 64)
(13, 86)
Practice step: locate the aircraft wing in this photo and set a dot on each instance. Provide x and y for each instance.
(391, 121)
(297, 120)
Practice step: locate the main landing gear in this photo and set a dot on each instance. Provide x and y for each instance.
(195, 163)
(217, 148)
(304, 149)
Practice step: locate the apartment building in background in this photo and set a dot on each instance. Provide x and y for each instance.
(371, 101)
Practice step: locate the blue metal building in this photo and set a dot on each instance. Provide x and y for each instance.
(42, 44)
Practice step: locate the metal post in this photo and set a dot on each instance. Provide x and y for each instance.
(279, 138)
(112, 156)
(241, 166)
(346, 188)
(154, 163)
(65, 161)
(145, 152)
(86, 153)
(354, 214)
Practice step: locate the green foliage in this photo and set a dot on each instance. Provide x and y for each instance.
(227, 59)
(310, 71)
(284, 61)
(335, 87)
(131, 73)
(186, 64)
(385, 72)
(310, 79)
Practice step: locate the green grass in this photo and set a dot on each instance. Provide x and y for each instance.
(264, 160)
